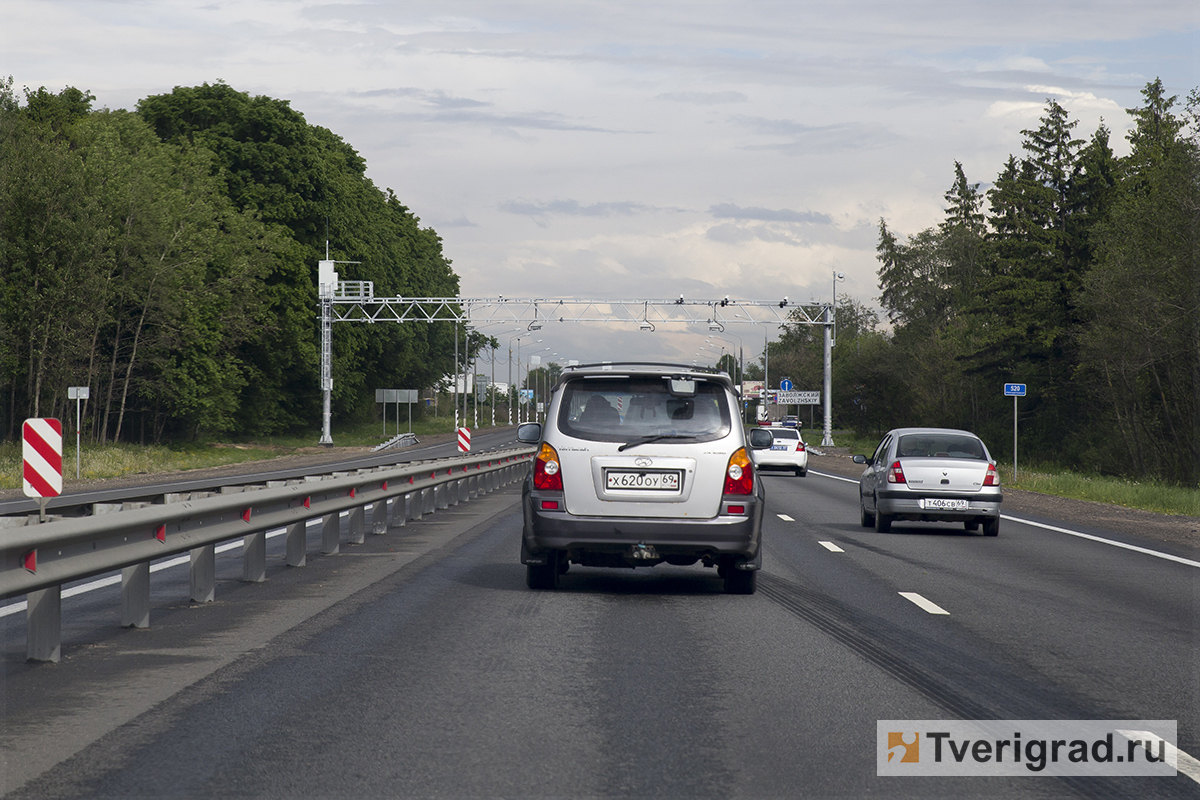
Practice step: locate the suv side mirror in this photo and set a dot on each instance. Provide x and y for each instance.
(761, 439)
(529, 432)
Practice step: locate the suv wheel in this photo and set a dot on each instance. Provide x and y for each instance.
(543, 576)
(741, 581)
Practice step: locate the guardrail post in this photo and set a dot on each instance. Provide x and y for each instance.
(331, 538)
(358, 521)
(135, 579)
(379, 517)
(297, 544)
(43, 617)
(135, 596)
(428, 496)
(254, 557)
(204, 573)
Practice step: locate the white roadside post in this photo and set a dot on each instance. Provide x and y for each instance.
(78, 394)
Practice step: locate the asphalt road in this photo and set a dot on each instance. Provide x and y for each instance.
(418, 664)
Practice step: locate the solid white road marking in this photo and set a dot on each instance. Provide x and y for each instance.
(785, 518)
(1187, 562)
(1183, 762)
(1166, 556)
(831, 547)
(923, 604)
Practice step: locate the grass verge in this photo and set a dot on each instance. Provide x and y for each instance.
(101, 461)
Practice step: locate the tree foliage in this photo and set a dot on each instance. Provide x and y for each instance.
(1082, 281)
(167, 259)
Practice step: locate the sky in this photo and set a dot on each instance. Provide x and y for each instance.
(643, 150)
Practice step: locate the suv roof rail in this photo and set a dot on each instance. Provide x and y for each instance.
(658, 364)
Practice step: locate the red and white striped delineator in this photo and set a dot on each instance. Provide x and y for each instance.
(464, 440)
(42, 451)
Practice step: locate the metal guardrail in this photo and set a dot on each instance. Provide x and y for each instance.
(36, 560)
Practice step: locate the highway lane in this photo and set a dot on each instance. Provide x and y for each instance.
(442, 675)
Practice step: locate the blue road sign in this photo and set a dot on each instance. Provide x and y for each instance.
(785, 385)
(1014, 390)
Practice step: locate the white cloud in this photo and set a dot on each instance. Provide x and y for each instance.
(641, 149)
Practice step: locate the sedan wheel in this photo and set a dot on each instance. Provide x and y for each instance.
(991, 526)
(865, 519)
(883, 522)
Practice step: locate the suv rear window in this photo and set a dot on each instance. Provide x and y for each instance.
(621, 408)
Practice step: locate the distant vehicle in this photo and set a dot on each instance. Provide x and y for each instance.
(930, 475)
(787, 452)
(639, 464)
(791, 421)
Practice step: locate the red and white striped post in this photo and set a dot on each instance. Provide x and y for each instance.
(42, 454)
(464, 440)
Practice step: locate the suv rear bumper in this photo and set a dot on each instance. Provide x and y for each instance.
(735, 535)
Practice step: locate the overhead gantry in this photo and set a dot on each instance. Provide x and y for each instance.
(355, 301)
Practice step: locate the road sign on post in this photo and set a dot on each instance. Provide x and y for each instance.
(464, 440)
(1014, 390)
(801, 398)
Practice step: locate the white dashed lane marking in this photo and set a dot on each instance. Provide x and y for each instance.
(922, 603)
(785, 518)
(831, 547)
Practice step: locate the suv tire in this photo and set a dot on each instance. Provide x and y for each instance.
(741, 581)
(543, 576)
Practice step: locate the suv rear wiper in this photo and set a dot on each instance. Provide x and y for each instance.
(656, 438)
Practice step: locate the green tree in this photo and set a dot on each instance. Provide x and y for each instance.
(308, 180)
(1141, 344)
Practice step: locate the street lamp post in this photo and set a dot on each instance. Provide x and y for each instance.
(827, 437)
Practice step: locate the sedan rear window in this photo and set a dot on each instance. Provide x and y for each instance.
(927, 445)
(626, 408)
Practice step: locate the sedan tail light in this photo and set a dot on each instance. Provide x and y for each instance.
(739, 474)
(991, 478)
(546, 475)
(800, 447)
(895, 473)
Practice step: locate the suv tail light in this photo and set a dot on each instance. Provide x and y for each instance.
(991, 478)
(739, 474)
(895, 473)
(546, 475)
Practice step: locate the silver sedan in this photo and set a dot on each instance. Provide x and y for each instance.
(930, 475)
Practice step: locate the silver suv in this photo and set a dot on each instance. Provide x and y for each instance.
(639, 464)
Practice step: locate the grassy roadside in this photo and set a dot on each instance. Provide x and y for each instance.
(98, 462)
(1049, 479)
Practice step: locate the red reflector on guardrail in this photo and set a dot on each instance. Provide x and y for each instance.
(30, 561)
